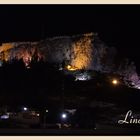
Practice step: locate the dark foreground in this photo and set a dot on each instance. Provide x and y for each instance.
(56, 132)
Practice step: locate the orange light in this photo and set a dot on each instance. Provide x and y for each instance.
(114, 82)
(69, 67)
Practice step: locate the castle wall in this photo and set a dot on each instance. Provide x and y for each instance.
(74, 50)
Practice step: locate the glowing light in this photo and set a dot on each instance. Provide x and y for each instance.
(114, 82)
(37, 115)
(69, 67)
(4, 117)
(83, 77)
(64, 115)
(25, 108)
(138, 87)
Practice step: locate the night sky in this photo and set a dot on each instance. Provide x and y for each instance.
(117, 25)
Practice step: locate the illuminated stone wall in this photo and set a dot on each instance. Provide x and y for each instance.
(82, 52)
(73, 50)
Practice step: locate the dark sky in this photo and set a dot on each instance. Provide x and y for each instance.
(117, 25)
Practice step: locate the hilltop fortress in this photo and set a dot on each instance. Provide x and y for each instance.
(74, 50)
(85, 51)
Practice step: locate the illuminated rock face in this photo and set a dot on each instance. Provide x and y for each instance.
(75, 50)
(18, 50)
(84, 51)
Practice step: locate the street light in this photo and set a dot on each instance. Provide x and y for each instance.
(25, 108)
(114, 81)
(64, 116)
